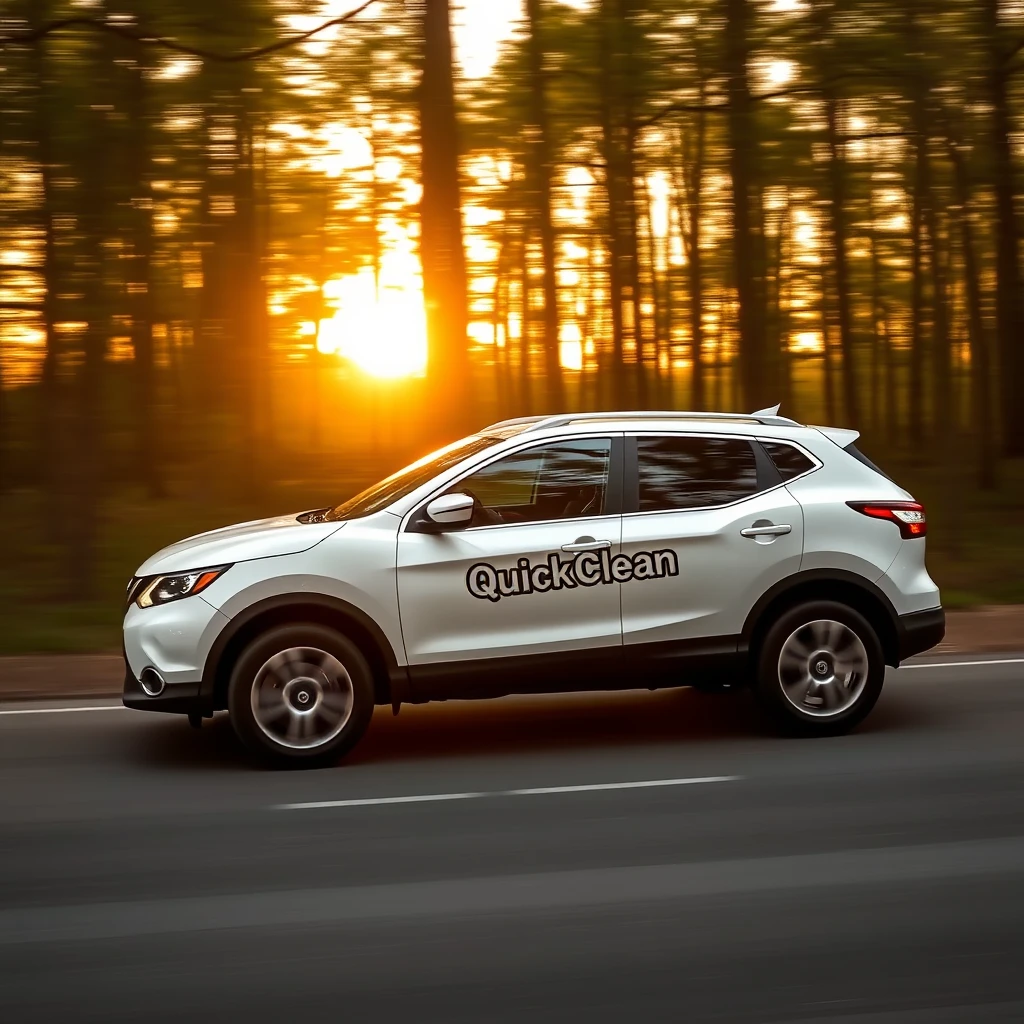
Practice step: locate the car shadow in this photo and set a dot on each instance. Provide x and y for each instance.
(530, 724)
(169, 742)
(519, 725)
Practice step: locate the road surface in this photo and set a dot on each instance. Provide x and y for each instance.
(152, 872)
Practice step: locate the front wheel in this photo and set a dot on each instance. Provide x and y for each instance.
(301, 696)
(820, 669)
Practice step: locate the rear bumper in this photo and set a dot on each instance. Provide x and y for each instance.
(176, 698)
(920, 631)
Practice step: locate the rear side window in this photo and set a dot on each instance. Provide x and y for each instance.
(789, 461)
(677, 472)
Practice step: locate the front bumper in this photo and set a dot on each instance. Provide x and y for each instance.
(176, 698)
(920, 631)
(174, 641)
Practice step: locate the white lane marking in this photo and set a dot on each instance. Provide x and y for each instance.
(645, 784)
(965, 664)
(542, 791)
(64, 711)
(425, 798)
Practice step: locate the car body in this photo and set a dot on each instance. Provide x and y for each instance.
(591, 551)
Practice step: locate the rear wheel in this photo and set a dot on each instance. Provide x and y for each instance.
(820, 669)
(301, 696)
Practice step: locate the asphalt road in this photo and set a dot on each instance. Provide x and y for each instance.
(151, 872)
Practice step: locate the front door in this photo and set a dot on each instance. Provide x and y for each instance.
(529, 578)
(733, 530)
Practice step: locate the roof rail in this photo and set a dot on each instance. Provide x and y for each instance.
(514, 422)
(768, 417)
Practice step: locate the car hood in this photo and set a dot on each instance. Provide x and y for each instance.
(262, 538)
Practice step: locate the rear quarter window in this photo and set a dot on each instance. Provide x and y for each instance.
(789, 461)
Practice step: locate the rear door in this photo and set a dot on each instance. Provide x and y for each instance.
(717, 504)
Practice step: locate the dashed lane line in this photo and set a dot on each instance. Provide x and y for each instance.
(316, 805)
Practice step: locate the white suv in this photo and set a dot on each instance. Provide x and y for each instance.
(575, 552)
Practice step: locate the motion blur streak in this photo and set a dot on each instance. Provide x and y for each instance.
(514, 893)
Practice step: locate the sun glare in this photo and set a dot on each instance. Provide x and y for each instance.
(780, 72)
(385, 335)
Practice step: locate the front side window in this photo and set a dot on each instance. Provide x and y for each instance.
(563, 480)
(679, 472)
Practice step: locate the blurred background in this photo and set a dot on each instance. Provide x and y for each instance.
(255, 254)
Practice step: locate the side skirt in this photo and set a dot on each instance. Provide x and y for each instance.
(715, 663)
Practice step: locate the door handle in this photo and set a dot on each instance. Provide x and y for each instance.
(766, 531)
(587, 544)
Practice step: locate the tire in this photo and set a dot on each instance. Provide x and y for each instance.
(301, 696)
(819, 669)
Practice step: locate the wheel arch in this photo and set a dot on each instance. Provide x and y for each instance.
(389, 678)
(826, 585)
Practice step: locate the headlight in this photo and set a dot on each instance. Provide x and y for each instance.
(162, 589)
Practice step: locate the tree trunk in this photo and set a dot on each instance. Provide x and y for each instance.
(626, 82)
(981, 369)
(828, 378)
(837, 211)
(786, 302)
(499, 317)
(319, 310)
(251, 320)
(943, 412)
(148, 455)
(445, 287)
(780, 313)
(525, 383)
(892, 392)
(51, 405)
(692, 230)
(632, 233)
(915, 385)
(84, 482)
(743, 157)
(1009, 310)
(947, 439)
(612, 173)
(540, 171)
(876, 316)
(719, 363)
(657, 305)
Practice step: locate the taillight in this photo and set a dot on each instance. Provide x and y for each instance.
(909, 516)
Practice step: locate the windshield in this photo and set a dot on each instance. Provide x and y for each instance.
(399, 484)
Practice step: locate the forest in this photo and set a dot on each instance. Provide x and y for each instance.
(257, 253)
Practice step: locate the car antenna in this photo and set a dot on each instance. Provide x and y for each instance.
(773, 411)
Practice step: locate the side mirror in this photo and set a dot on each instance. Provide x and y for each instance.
(451, 510)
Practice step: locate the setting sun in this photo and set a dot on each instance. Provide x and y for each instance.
(384, 335)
